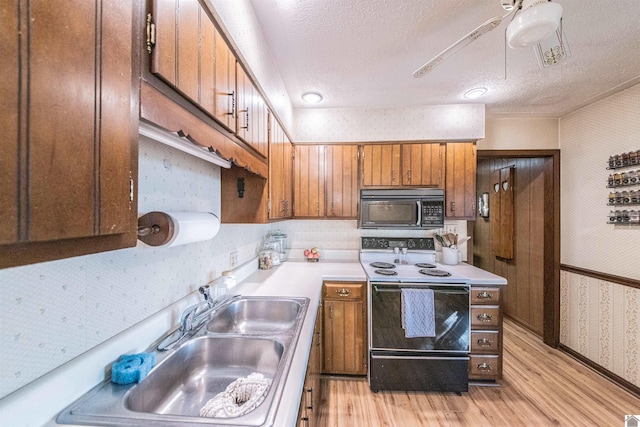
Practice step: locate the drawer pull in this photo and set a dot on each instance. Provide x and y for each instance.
(343, 292)
(483, 342)
(484, 295)
(484, 317)
(484, 367)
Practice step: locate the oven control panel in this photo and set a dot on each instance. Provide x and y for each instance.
(422, 243)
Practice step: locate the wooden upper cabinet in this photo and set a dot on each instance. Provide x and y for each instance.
(191, 56)
(225, 84)
(423, 165)
(280, 172)
(460, 190)
(251, 117)
(381, 165)
(309, 179)
(342, 180)
(68, 152)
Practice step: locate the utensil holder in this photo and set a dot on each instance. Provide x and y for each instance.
(449, 256)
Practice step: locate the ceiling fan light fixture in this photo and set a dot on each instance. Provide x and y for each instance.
(553, 49)
(476, 92)
(537, 21)
(311, 97)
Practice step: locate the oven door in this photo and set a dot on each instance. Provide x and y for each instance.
(390, 213)
(452, 320)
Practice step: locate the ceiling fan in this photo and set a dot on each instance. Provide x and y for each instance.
(537, 20)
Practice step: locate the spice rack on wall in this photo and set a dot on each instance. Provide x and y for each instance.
(624, 184)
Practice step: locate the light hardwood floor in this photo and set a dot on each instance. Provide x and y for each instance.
(540, 387)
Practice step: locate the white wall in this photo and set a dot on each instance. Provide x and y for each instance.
(599, 319)
(516, 133)
(587, 138)
(54, 311)
(463, 122)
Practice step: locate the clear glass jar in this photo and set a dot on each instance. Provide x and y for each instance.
(264, 260)
(228, 279)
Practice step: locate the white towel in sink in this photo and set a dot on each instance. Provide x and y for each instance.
(240, 397)
(418, 313)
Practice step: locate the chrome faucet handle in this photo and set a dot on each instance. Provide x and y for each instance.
(206, 294)
(189, 315)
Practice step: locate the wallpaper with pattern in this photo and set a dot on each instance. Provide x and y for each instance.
(599, 320)
(52, 312)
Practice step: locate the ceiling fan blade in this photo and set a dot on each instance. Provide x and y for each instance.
(464, 41)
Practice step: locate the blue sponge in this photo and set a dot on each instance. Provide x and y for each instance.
(132, 368)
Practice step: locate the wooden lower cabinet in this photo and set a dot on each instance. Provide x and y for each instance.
(345, 320)
(485, 359)
(310, 401)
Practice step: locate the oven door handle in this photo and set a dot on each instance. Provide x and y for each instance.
(440, 291)
(419, 203)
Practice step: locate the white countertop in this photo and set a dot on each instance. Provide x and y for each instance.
(477, 275)
(292, 278)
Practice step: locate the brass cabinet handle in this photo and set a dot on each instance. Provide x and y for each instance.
(483, 342)
(484, 317)
(343, 292)
(485, 367)
(484, 295)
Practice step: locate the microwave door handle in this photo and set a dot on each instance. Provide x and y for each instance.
(419, 223)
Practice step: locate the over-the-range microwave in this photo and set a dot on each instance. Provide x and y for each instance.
(407, 208)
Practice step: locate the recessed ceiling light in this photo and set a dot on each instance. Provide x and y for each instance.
(475, 92)
(311, 97)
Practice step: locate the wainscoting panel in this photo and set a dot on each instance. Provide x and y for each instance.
(600, 320)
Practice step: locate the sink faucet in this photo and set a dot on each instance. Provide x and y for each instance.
(192, 317)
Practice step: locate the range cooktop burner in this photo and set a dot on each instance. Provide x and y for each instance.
(382, 265)
(386, 272)
(425, 265)
(437, 273)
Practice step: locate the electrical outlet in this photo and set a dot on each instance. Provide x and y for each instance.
(233, 258)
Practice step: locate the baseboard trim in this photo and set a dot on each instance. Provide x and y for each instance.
(631, 388)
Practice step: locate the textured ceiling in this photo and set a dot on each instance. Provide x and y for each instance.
(362, 53)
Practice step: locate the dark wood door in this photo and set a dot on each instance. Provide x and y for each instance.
(524, 266)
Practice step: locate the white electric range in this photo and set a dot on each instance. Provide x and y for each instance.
(397, 267)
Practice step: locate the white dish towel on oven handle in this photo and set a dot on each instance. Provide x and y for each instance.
(418, 313)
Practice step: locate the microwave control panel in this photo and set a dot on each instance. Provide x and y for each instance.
(432, 213)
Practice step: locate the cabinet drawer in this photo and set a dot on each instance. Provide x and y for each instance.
(485, 342)
(487, 315)
(485, 295)
(484, 367)
(344, 290)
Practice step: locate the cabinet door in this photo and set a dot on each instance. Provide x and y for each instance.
(381, 165)
(344, 332)
(176, 54)
(72, 163)
(207, 63)
(280, 169)
(342, 180)
(243, 87)
(9, 113)
(460, 183)
(225, 84)
(422, 164)
(309, 178)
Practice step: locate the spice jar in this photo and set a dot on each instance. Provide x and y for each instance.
(228, 279)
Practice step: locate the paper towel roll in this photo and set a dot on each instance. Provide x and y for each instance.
(170, 229)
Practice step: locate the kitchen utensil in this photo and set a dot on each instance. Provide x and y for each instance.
(439, 239)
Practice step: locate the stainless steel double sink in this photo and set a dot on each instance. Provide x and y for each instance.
(245, 335)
